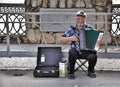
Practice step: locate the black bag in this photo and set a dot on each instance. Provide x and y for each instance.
(48, 59)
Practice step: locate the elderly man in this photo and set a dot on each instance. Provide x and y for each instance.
(76, 35)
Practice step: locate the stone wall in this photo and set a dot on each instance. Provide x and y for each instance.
(33, 35)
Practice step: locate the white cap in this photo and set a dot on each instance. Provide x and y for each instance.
(81, 13)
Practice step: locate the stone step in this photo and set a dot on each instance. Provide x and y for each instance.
(29, 63)
(106, 61)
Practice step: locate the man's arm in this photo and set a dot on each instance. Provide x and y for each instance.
(65, 40)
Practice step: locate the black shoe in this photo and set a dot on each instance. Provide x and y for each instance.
(92, 74)
(71, 76)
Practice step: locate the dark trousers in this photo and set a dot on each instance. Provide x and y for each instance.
(90, 56)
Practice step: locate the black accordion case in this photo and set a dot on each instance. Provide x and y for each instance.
(48, 59)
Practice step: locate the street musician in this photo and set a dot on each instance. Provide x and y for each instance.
(76, 35)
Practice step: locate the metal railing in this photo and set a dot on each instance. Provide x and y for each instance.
(105, 22)
(41, 23)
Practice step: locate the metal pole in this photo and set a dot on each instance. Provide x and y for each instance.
(8, 36)
(106, 24)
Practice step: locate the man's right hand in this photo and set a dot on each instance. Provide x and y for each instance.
(73, 38)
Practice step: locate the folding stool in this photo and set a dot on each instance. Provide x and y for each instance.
(81, 64)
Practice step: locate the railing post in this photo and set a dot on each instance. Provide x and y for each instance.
(106, 24)
(8, 36)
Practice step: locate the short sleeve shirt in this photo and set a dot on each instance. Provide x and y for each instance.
(71, 32)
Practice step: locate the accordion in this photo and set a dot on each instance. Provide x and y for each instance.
(92, 38)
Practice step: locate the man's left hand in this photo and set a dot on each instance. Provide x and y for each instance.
(101, 42)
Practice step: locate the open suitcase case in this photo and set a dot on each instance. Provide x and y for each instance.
(48, 59)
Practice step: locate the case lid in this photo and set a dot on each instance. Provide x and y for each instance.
(52, 56)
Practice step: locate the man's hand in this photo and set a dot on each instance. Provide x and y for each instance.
(101, 42)
(73, 38)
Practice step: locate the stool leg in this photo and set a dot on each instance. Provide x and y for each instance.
(81, 64)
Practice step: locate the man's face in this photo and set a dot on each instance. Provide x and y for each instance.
(80, 21)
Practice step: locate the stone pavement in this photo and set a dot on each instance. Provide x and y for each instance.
(104, 79)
